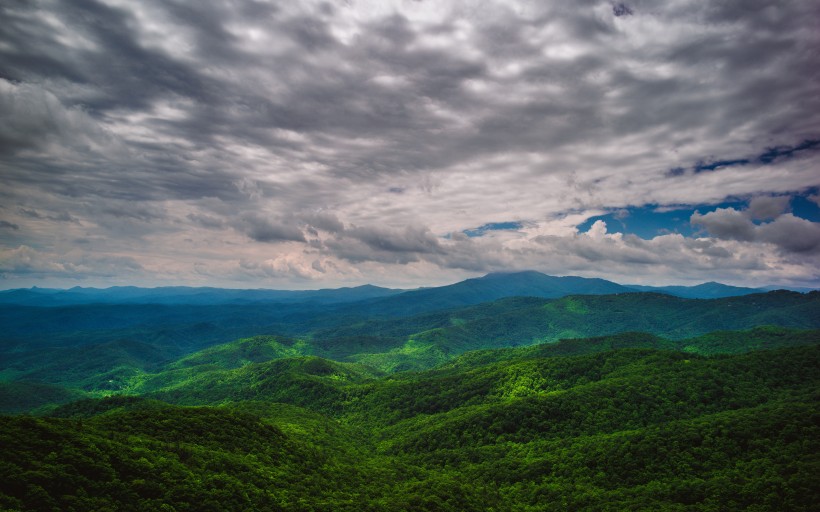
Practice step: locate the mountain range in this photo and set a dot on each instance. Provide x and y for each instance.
(186, 295)
(471, 291)
(101, 348)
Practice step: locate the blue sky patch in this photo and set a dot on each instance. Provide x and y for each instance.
(648, 222)
(492, 226)
(768, 157)
(804, 207)
(774, 153)
(702, 166)
(645, 221)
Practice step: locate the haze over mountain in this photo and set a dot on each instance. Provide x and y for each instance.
(186, 295)
(110, 336)
(489, 288)
(710, 290)
(471, 291)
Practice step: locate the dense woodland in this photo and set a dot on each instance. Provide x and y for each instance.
(644, 406)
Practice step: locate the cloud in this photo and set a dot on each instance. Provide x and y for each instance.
(726, 223)
(791, 233)
(768, 207)
(621, 9)
(627, 258)
(28, 262)
(206, 221)
(383, 244)
(325, 221)
(25, 260)
(36, 119)
(408, 239)
(263, 229)
(57, 217)
(787, 232)
(361, 134)
(280, 266)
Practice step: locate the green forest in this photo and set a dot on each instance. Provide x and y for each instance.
(519, 404)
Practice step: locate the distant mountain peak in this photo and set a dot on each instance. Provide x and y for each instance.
(513, 274)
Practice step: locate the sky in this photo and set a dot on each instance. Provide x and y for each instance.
(304, 145)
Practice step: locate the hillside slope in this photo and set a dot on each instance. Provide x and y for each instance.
(630, 429)
(422, 342)
(391, 345)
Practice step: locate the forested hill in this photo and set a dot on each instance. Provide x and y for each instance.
(192, 326)
(629, 429)
(105, 348)
(96, 348)
(426, 340)
(485, 289)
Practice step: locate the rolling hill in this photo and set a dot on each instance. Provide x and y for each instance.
(624, 429)
(424, 341)
(92, 353)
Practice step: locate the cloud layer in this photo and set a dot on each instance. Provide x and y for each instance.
(309, 144)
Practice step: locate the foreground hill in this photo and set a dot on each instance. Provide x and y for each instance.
(629, 429)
